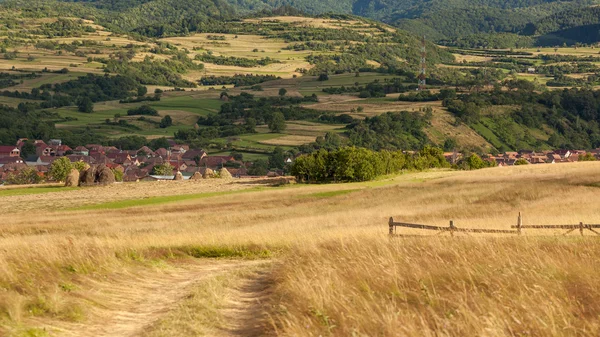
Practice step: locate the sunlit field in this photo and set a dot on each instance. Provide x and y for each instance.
(322, 253)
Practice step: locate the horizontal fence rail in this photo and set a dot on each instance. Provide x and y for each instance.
(517, 229)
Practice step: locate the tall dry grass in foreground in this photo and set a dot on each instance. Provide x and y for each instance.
(442, 287)
(48, 256)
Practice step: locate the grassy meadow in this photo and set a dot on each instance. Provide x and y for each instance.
(331, 268)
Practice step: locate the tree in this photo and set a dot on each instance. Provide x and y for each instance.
(251, 125)
(26, 176)
(282, 92)
(277, 158)
(60, 169)
(323, 77)
(450, 144)
(587, 157)
(144, 110)
(79, 166)
(277, 123)
(86, 105)
(118, 175)
(163, 170)
(158, 143)
(237, 156)
(259, 168)
(165, 122)
(27, 150)
(142, 90)
(475, 163)
(521, 161)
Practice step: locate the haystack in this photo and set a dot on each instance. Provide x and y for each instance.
(224, 174)
(178, 176)
(208, 173)
(104, 175)
(88, 177)
(72, 179)
(196, 176)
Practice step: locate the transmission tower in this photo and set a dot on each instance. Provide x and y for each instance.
(422, 73)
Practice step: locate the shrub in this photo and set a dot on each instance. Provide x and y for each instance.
(24, 177)
(143, 110)
(60, 169)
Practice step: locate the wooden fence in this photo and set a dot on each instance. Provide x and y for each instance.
(516, 229)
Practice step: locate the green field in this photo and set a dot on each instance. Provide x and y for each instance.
(34, 190)
(199, 106)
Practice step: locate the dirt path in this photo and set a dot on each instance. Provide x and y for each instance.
(248, 306)
(129, 305)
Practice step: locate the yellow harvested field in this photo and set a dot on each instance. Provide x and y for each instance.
(243, 46)
(344, 104)
(579, 51)
(305, 21)
(471, 58)
(291, 140)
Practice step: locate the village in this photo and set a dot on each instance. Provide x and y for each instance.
(144, 164)
(525, 157)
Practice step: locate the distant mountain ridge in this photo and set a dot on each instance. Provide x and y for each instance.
(452, 19)
(548, 22)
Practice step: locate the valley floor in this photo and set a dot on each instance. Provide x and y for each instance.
(177, 259)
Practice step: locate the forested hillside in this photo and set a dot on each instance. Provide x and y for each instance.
(543, 22)
(556, 22)
(150, 18)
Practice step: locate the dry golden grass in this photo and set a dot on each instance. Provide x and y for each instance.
(339, 266)
(471, 58)
(307, 22)
(443, 127)
(442, 287)
(345, 103)
(301, 131)
(289, 140)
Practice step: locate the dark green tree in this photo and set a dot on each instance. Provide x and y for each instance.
(165, 122)
(86, 105)
(277, 123)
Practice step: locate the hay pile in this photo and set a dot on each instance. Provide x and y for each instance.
(104, 175)
(88, 177)
(178, 176)
(196, 176)
(97, 175)
(208, 173)
(72, 179)
(224, 174)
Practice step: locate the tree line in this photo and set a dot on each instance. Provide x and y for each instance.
(352, 164)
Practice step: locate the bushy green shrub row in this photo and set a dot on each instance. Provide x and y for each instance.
(358, 164)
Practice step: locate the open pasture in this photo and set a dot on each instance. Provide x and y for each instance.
(382, 286)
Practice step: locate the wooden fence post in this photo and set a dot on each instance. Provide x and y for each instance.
(452, 227)
(519, 224)
(391, 223)
(581, 228)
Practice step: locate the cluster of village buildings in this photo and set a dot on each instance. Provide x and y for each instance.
(533, 157)
(139, 164)
(135, 164)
